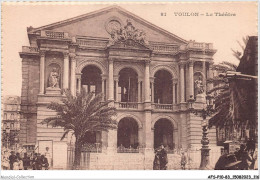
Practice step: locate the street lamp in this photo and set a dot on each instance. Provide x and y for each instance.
(208, 111)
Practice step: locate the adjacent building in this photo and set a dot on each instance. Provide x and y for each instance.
(147, 72)
(10, 121)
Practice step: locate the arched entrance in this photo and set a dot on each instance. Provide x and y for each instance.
(93, 142)
(127, 133)
(91, 79)
(128, 85)
(163, 134)
(163, 87)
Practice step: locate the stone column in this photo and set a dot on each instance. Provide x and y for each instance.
(111, 80)
(205, 75)
(79, 82)
(139, 90)
(140, 136)
(112, 141)
(42, 67)
(116, 79)
(152, 137)
(175, 138)
(174, 84)
(152, 93)
(147, 82)
(66, 71)
(191, 78)
(148, 132)
(182, 81)
(210, 75)
(72, 74)
(103, 78)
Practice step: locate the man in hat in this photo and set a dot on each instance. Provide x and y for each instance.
(12, 159)
(183, 160)
(163, 158)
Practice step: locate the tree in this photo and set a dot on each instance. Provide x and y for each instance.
(234, 103)
(223, 101)
(80, 114)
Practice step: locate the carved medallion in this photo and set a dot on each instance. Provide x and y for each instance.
(113, 26)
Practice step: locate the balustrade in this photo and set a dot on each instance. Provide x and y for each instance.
(197, 45)
(163, 106)
(132, 105)
(121, 149)
(164, 48)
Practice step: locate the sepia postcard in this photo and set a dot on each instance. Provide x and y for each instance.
(129, 86)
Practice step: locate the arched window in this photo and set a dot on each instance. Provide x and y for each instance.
(91, 79)
(163, 87)
(128, 85)
(12, 116)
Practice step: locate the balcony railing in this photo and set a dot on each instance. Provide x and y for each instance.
(127, 150)
(55, 35)
(164, 48)
(197, 45)
(163, 106)
(128, 105)
(88, 147)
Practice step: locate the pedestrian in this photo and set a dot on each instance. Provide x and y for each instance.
(5, 160)
(38, 162)
(245, 158)
(34, 160)
(156, 162)
(45, 163)
(12, 159)
(183, 161)
(26, 161)
(163, 158)
(16, 164)
(47, 154)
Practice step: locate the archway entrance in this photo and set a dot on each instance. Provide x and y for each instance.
(127, 133)
(93, 141)
(163, 87)
(128, 85)
(91, 80)
(163, 134)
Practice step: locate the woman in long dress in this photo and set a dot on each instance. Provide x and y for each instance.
(54, 79)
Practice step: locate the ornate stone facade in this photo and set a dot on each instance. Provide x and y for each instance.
(147, 72)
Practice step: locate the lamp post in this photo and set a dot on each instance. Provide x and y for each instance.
(204, 164)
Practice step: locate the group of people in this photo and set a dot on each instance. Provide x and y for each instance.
(16, 161)
(243, 158)
(160, 160)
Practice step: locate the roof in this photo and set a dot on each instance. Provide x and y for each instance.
(102, 11)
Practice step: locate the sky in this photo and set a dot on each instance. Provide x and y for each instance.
(222, 31)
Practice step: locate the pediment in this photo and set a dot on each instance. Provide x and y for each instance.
(99, 24)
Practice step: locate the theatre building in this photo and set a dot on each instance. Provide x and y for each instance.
(147, 72)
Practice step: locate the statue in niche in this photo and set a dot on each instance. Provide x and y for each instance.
(199, 86)
(54, 78)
